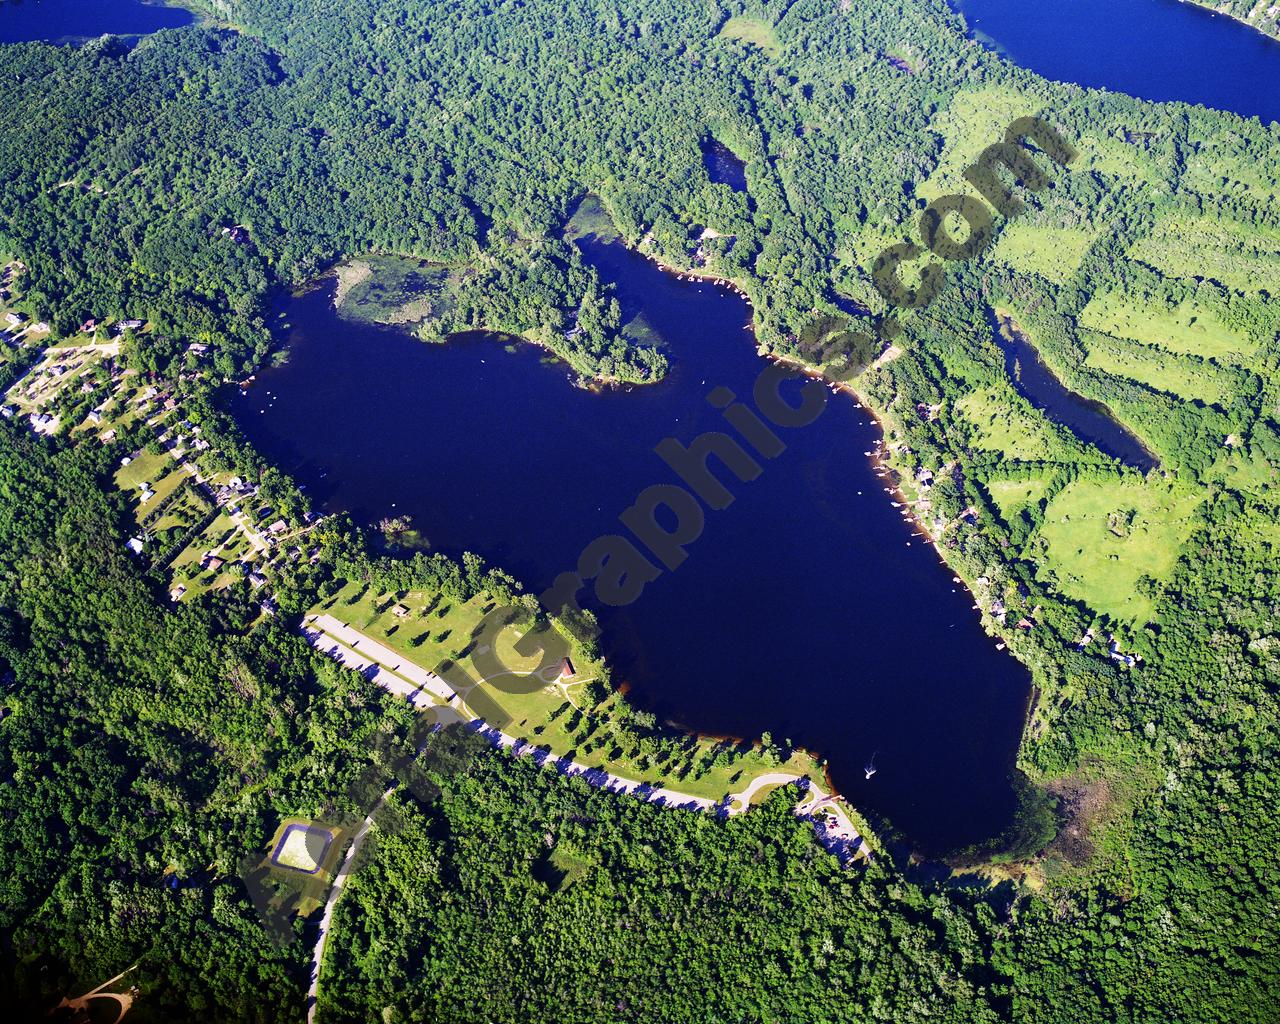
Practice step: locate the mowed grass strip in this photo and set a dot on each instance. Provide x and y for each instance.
(1102, 536)
(1187, 329)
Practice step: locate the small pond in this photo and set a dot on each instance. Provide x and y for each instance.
(723, 165)
(1089, 420)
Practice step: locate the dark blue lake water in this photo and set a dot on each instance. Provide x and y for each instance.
(807, 608)
(1153, 49)
(1089, 420)
(74, 21)
(723, 166)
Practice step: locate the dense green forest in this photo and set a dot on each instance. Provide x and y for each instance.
(149, 747)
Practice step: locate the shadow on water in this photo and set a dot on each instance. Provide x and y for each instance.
(1090, 421)
(807, 608)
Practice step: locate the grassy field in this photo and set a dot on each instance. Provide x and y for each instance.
(1102, 536)
(1188, 329)
(1116, 158)
(1184, 377)
(1053, 253)
(185, 511)
(1219, 165)
(160, 472)
(1004, 422)
(1244, 258)
(1011, 495)
(975, 119)
(555, 715)
(1245, 470)
(757, 33)
(221, 536)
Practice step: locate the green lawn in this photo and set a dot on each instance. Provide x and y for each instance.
(554, 715)
(185, 511)
(146, 468)
(1102, 536)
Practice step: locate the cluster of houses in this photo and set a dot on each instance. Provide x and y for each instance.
(1113, 649)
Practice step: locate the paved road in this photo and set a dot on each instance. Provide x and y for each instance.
(317, 956)
(366, 666)
(383, 655)
(394, 673)
(391, 671)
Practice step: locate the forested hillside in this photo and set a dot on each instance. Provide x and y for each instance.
(149, 746)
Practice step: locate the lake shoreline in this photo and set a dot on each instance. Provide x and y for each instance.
(652, 649)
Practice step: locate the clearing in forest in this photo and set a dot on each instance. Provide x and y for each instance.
(1102, 536)
(752, 31)
(975, 119)
(1176, 375)
(1011, 495)
(1053, 253)
(1003, 421)
(1115, 158)
(1240, 256)
(1188, 329)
